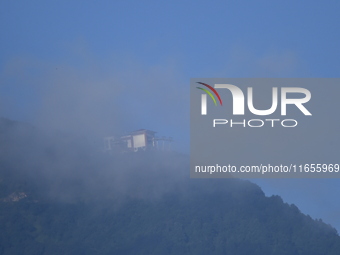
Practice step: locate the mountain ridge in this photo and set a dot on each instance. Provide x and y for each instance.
(59, 196)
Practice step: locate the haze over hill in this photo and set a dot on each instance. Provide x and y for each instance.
(60, 194)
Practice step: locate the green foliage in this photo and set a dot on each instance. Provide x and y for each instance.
(87, 211)
(173, 224)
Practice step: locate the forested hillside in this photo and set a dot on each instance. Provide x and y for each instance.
(61, 195)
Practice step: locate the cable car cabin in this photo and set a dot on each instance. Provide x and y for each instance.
(141, 139)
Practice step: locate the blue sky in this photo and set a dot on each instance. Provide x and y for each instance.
(110, 66)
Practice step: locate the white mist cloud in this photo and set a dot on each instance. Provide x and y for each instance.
(100, 98)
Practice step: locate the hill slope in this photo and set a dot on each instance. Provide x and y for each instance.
(59, 196)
